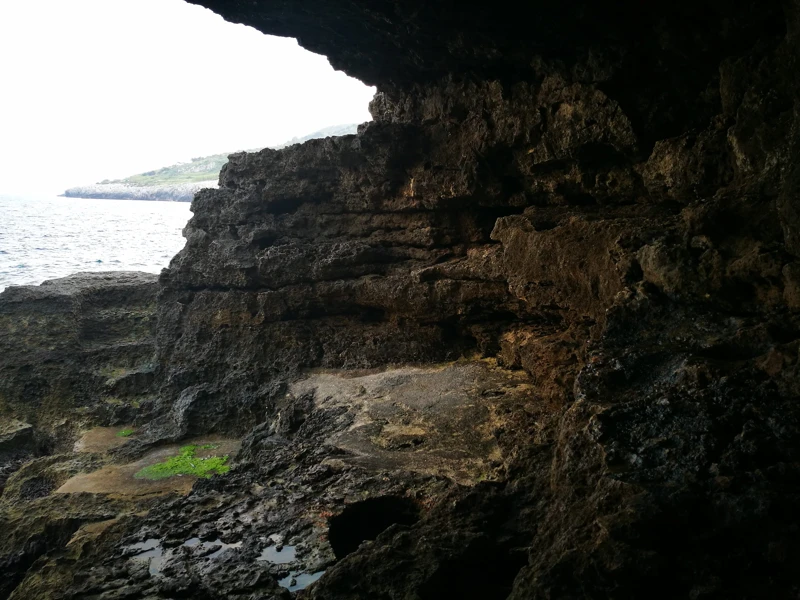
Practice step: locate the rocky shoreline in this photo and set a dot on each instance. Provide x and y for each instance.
(534, 332)
(178, 192)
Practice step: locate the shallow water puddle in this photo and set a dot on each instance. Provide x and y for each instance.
(295, 581)
(219, 544)
(278, 555)
(152, 552)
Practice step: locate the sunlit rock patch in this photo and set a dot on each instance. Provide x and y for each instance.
(441, 420)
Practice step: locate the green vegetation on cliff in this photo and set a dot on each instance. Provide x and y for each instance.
(187, 463)
(207, 168)
(200, 169)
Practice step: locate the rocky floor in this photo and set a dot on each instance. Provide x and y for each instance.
(354, 455)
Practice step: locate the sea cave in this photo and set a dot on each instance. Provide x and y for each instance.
(533, 332)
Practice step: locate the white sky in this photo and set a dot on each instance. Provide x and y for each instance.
(96, 89)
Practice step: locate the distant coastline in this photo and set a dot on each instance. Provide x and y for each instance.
(177, 192)
(179, 182)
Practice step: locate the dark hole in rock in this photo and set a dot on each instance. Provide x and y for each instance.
(544, 225)
(372, 315)
(366, 520)
(454, 334)
(599, 155)
(36, 487)
(264, 240)
(485, 573)
(574, 198)
(512, 185)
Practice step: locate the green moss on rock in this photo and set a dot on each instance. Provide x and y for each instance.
(187, 463)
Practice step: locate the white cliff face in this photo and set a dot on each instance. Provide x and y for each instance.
(176, 192)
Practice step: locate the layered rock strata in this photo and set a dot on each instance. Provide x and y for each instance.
(74, 352)
(77, 350)
(531, 333)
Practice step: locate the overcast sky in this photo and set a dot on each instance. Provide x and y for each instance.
(97, 89)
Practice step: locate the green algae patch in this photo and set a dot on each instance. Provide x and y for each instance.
(187, 463)
(125, 433)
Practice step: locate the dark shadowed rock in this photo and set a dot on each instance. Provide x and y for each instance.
(76, 350)
(542, 312)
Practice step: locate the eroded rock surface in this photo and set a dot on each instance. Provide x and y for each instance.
(531, 333)
(77, 349)
(74, 352)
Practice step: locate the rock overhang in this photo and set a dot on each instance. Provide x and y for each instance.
(600, 198)
(398, 44)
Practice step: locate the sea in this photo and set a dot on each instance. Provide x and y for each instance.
(46, 237)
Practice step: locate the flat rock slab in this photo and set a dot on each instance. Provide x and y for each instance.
(437, 420)
(102, 439)
(78, 283)
(119, 481)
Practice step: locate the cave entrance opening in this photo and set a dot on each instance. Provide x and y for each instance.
(140, 100)
(364, 521)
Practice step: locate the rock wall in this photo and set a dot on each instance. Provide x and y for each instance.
(604, 199)
(77, 350)
(531, 333)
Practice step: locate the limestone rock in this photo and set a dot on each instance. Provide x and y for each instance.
(76, 349)
(531, 333)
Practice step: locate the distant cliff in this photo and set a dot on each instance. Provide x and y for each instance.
(180, 182)
(178, 192)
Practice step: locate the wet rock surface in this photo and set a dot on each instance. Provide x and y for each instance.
(301, 500)
(77, 350)
(531, 333)
(74, 352)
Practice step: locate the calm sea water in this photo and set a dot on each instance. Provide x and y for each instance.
(47, 237)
